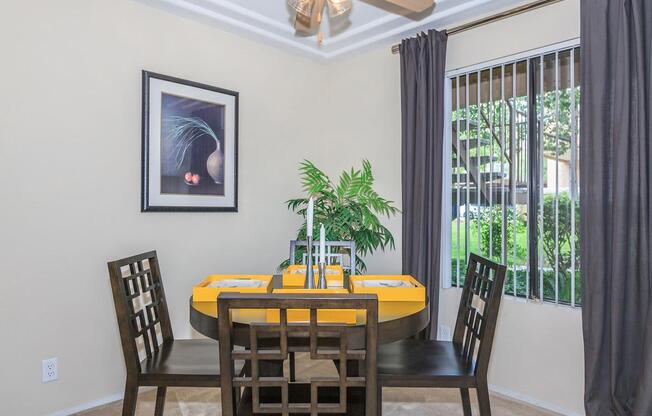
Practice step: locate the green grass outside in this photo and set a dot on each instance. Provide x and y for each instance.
(519, 260)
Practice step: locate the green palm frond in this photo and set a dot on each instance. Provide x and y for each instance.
(349, 210)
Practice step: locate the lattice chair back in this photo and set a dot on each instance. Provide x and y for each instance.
(140, 307)
(336, 251)
(478, 311)
(344, 350)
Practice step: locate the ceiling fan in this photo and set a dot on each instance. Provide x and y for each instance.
(309, 12)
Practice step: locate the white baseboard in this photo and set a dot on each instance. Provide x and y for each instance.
(88, 406)
(532, 401)
(96, 403)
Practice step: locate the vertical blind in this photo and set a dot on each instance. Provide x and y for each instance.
(514, 176)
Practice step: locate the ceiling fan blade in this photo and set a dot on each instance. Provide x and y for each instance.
(413, 5)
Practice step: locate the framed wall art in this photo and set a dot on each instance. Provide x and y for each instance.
(189, 146)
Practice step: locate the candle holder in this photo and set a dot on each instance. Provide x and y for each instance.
(310, 274)
(322, 284)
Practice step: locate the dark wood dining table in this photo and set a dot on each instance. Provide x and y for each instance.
(396, 320)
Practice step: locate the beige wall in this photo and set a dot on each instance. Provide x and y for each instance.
(70, 171)
(70, 122)
(363, 113)
(545, 26)
(538, 352)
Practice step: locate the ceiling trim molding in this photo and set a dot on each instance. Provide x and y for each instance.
(253, 15)
(361, 29)
(243, 21)
(412, 28)
(210, 15)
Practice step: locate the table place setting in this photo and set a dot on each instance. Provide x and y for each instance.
(210, 288)
(398, 295)
(294, 276)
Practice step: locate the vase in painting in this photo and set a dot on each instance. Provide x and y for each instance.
(215, 165)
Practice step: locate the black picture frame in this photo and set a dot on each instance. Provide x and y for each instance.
(146, 187)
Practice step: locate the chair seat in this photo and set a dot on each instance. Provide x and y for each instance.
(188, 362)
(419, 363)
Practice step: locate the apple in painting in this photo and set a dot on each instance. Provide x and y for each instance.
(188, 177)
(195, 179)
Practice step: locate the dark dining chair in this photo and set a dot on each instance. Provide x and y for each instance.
(335, 252)
(144, 323)
(273, 393)
(462, 363)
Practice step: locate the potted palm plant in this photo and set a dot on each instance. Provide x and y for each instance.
(349, 210)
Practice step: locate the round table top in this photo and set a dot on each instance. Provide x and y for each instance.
(396, 320)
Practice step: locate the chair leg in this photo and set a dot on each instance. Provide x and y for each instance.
(293, 375)
(160, 401)
(379, 399)
(466, 402)
(483, 399)
(236, 399)
(131, 395)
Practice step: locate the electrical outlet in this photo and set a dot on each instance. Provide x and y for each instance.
(50, 370)
(444, 333)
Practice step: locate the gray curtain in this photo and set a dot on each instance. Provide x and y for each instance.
(616, 215)
(423, 62)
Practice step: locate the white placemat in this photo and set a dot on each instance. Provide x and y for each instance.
(226, 283)
(385, 283)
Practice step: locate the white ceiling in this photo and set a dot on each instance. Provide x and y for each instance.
(370, 22)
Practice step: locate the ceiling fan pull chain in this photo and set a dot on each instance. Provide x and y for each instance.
(320, 9)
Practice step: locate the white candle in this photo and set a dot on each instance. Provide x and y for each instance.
(322, 244)
(309, 215)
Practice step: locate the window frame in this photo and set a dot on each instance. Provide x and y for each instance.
(534, 290)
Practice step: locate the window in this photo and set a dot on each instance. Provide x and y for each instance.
(514, 137)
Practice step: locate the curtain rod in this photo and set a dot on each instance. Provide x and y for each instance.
(493, 18)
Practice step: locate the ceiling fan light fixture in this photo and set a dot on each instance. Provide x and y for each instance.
(415, 6)
(308, 13)
(338, 7)
(303, 7)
